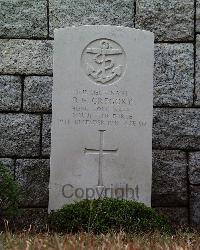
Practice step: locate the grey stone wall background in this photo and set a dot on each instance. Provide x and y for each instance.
(26, 47)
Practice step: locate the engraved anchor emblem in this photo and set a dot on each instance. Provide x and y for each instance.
(106, 68)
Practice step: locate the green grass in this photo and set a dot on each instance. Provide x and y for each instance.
(9, 193)
(107, 215)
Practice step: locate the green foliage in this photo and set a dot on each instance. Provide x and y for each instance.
(9, 193)
(107, 215)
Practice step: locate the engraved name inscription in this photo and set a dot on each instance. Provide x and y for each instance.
(98, 107)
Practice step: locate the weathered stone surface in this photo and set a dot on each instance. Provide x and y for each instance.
(194, 168)
(37, 93)
(21, 56)
(9, 163)
(198, 15)
(74, 12)
(173, 75)
(20, 134)
(10, 93)
(46, 135)
(177, 215)
(22, 18)
(197, 89)
(171, 20)
(31, 218)
(176, 128)
(169, 178)
(195, 206)
(33, 176)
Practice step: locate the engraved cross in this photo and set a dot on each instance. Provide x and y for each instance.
(101, 153)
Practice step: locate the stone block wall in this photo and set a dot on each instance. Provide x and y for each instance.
(26, 50)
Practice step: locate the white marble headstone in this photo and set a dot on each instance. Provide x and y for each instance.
(102, 114)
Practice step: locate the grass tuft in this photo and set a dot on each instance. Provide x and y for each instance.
(107, 215)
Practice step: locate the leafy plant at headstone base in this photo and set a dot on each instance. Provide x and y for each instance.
(9, 193)
(108, 215)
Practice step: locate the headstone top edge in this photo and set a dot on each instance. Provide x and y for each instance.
(79, 27)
